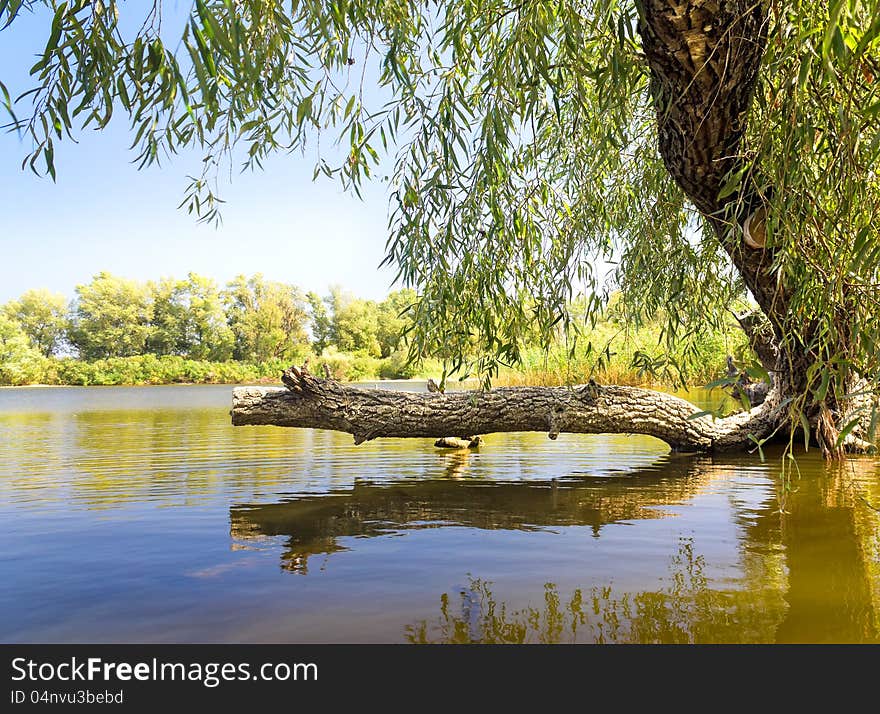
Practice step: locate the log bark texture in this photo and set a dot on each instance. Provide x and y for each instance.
(311, 402)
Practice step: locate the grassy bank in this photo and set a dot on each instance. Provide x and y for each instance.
(152, 369)
(635, 359)
(556, 367)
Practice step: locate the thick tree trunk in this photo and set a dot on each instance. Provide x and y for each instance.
(588, 409)
(704, 59)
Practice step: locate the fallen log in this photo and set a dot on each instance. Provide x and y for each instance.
(311, 402)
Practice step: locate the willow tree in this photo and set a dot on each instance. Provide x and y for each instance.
(707, 149)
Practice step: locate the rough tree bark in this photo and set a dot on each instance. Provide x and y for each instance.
(704, 57)
(309, 401)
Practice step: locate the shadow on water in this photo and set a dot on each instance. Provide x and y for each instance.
(809, 569)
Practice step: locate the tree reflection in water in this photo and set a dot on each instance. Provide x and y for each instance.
(806, 573)
(689, 611)
(828, 591)
(316, 524)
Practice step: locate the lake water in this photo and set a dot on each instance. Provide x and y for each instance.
(141, 515)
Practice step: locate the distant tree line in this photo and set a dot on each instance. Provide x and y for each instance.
(250, 319)
(121, 331)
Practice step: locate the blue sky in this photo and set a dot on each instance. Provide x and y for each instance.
(104, 214)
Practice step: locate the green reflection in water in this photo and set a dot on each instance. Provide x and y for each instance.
(689, 611)
(808, 573)
(821, 587)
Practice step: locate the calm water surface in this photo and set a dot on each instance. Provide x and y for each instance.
(140, 514)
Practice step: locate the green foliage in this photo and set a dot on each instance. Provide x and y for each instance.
(187, 317)
(187, 331)
(613, 351)
(20, 362)
(111, 318)
(267, 319)
(189, 320)
(355, 323)
(349, 367)
(43, 317)
(322, 326)
(397, 365)
(524, 147)
(395, 320)
(152, 369)
(816, 133)
(169, 318)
